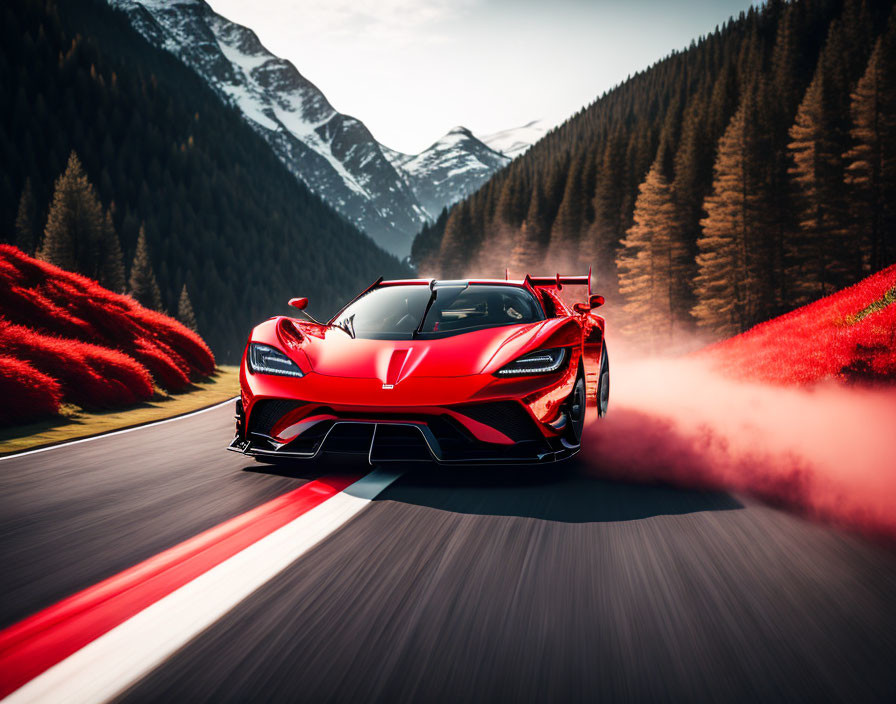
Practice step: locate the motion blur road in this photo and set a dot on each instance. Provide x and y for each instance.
(466, 585)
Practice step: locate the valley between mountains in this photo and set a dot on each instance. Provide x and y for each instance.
(385, 193)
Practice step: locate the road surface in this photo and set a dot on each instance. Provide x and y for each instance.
(464, 585)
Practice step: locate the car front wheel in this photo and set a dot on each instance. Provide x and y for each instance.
(603, 384)
(575, 410)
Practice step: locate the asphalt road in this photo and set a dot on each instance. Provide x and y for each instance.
(467, 585)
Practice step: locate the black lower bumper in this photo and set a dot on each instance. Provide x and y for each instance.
(397, 441)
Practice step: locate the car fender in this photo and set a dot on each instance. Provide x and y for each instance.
(554, 332)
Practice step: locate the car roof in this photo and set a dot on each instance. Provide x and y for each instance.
(410, 282)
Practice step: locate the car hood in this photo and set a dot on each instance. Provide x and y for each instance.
(332, 352)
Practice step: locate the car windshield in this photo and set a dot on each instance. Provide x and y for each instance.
(449, 308)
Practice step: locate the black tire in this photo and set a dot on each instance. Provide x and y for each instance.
(575, 409)
(603, 384)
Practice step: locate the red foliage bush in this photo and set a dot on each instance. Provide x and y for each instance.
(38, 311)
(167, 372)
(35, 395)
(57, 302)
(91, 376)
(180, 338)
(833, 338)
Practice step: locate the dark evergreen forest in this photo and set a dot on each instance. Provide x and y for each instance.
(162, 155)
(750, 173)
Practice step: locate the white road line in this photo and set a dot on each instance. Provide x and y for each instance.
(115, 661)
(119, 432)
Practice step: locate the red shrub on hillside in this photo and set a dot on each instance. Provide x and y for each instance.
(849, 335)
(36, 395)
(168, 372)
(32, 306)
(180, 338)
(57, 302)
(91, 376)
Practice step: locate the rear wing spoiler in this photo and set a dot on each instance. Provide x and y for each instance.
(558, 281)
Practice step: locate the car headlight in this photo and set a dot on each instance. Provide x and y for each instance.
(538, 362)
(269, 360)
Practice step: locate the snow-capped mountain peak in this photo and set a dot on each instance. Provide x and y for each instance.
(450, 168)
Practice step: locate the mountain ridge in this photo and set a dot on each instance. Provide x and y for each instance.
(334, 154)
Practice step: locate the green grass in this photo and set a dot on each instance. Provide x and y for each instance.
(881, 303)
(75, 423)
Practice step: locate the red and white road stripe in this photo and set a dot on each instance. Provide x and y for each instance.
(93, 645)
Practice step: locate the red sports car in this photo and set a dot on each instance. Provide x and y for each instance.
(476, 371)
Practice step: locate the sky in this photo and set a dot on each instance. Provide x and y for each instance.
(413, 69)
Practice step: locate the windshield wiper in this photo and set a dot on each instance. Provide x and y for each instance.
(453, 287)
(432, 298)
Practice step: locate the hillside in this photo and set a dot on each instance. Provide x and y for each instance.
(334, 154)
(65, 339)
(848, 336)
(747, 174)
(221, 213)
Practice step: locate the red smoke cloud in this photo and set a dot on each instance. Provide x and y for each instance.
(829, 451)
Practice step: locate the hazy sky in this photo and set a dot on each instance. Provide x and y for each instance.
(412, 69)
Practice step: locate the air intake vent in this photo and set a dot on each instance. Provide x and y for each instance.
(506, 416)
(267, 412)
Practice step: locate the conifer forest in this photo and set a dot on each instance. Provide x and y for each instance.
(749, 174)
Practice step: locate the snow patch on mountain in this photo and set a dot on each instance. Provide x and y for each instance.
(515, 141)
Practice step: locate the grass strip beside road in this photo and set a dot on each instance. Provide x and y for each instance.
(76, 423)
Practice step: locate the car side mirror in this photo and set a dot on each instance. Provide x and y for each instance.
(300, 303)
(594, 301)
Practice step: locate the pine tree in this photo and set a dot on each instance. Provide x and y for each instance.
(691, 185)
(75, 222)
(650, 260)
(111, 274)
(871, 163)
(185, 310)
(26, 217)
(785, 76)
(817, 175)
(527, 246)
(822, 256)
(426, 245)
(454, 253)
(779, 98)
(142, 284)
(733, 253)
(602, 239)
(511, 208)
(500, 236)
(566, 229)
